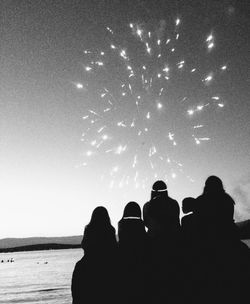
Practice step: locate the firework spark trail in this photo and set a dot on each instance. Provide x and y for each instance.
(135, 91)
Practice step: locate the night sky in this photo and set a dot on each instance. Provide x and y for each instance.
(98, 99)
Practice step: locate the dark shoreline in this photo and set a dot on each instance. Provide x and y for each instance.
(40, 247)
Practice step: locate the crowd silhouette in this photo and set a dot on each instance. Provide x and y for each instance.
(158, 259)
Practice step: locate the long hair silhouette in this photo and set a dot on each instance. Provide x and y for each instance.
(100, 216)
(213, 184)
(99, 234)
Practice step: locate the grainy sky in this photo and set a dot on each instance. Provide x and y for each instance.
(52, 171)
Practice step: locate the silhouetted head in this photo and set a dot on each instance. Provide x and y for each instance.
(188, 205)
(159, 188)
(100, 216)
(213, 184)
(132, 209)
(99, 233)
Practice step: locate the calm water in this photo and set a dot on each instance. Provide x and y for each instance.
(38, 276)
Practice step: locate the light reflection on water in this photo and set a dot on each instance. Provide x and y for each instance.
(38, 276)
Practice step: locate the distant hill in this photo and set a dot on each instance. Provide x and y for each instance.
(18, 242)
(40, 247)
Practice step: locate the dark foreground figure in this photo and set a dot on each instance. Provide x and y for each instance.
(217, 262)
(200, 261)
(94, 278)
(161, 215)
(133, 255)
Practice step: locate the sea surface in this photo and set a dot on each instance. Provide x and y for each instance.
(37, 276)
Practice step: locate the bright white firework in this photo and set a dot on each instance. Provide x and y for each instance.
(79, 86)
(140, 86)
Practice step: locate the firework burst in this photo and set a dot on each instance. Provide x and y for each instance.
(149, 93)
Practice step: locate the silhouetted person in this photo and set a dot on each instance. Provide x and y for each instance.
(131, 231)
(215, 210)
(161, 213)
(222, 250)
(95, 278)
(161, 217)
(133, 249)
